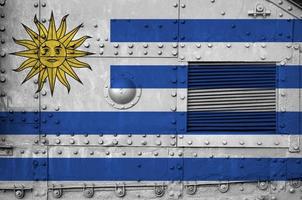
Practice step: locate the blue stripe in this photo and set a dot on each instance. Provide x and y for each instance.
(139, 123)
(149, 169)
(98, 123)
(148, 76)
(234, 76)
(206, 30)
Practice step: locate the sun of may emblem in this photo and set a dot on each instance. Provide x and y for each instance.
(51, 54)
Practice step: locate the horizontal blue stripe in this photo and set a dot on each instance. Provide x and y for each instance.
(150, 169)
(148, 76)
(171, 76)
(206, 30)
(136, 123)
(98, 123)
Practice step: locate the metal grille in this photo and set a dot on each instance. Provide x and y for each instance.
(232, 98)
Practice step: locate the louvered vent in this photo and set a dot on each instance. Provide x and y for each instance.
(232, 99)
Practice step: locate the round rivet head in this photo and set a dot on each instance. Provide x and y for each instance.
(19, 194)
(159, 191)
(223, 188)
(88, 192)
(57, 193)
(291, 190)
(36, 5)
(191, 189)
(44, 4)
(2, 28)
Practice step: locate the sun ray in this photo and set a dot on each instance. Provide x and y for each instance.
(32, 53)
(34, 71)
(71, 53)
(52, 54)
(62, 78)
(77, 64)
(62, 28)
(68, 70)
(69, 36)
(26, 43)
(52, 33)
(77, 43)
(26, 64)
(41, 80)
(42, 29)
(33, 35)
(52, 75)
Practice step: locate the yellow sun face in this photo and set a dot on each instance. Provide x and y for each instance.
(51, 54)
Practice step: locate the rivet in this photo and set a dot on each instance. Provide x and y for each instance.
(22, 151)
(182, 57)
(291, 190)
(130, 52)
(222, 13)
(107, 153)
(183, 5)
(228, 45)
(86, 142)
(58, 141)
(195, 154)
(158, 142)
(182, 45)
(43, 20)
(159, 52)
(263, 45)
(276, 142)
(3, 54)
(145, 52)
(247, 45)
(145, 45)
(171, 153)
(36, 5)
(59, 152)
(155, 153)
(290, 8)
(101, 45)
(129, 142)
(224, 142)
(262, 57)
(259, 143)
(91, 152)
(86, 45)
(101, 141)
(174, 53)
(2, 41)
(175, 5)
(280, 14)
(144, 142)
(71, 141)
(160, 45)
(2, 28)
(116, 45)
(190, 142)
(198, 45)
(44, 4)
(44, 107)
(115, 53)
(210, 45)
(173, 108)
(207, 142)
(174, 45)
(174, 94)
(44, 93)
(241, 142)
(139, 153)
(280, 2)
(198, 57)
(212, 1)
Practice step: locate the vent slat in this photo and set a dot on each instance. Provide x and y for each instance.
(231, 98)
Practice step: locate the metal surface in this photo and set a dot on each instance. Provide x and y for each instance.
(123, 130)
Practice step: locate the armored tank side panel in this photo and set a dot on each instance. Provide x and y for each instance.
(153, 99)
